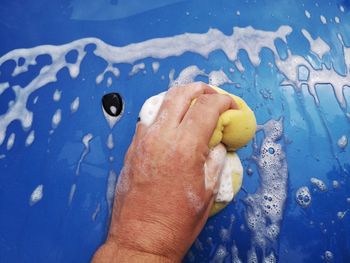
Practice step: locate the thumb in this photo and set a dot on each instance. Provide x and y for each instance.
(213, 167)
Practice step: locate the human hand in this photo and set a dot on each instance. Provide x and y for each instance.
(162, 200)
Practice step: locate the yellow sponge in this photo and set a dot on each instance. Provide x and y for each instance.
(235, 128)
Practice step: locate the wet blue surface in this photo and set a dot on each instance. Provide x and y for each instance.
(52, 230)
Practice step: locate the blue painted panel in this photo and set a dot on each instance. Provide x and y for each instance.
(289, 60)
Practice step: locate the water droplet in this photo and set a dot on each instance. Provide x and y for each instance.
(250, 171)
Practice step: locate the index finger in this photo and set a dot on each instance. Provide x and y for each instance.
(178, 99)
(201, 119)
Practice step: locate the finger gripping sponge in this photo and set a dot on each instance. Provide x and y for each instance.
(235, 127)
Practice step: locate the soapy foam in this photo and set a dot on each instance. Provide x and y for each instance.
(194, 199)
(86, 141)
(318, 46)
(109, 82)
(214, 166)
(198, 244)
(150, 109)
(137, 68)
(47, 74)
(110, 68)
(56, 118)
(303, 73)
(265, 207)
(110, 143)
(112, 178)
(319, 184)
(346, 51)
(36, 195)
(307, 14)
(335, 184)
(235, 255)
(289, 68)
(232, 165)
(270, 258)
(323, 19)
(337, 19)
(187, 75)
(218, 78)
(74, 105)
(3, 87)
(10, 141)
(341, 214)
(16, 111)
(156, 48)
(248, 39)
(328, 256)
(342, 142)
(155, 67)
(57, 95)
(220, 254)
(252, 257)
(225, 233)
(123, 184)
(30, 138)
(96, 212)
(239, 65)
(71, 193)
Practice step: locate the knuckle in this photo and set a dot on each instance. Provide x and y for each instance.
(201, 84)
(222, 101)
(172, 92)
(227, 98)
(204, 99)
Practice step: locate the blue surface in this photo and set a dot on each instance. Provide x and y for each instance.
(52, 230)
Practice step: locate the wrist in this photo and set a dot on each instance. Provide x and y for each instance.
(112, 252)
(150, 236)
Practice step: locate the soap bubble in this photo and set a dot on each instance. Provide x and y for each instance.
(319, 184)
(328, 256)
(271, 150)
(303, 196)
